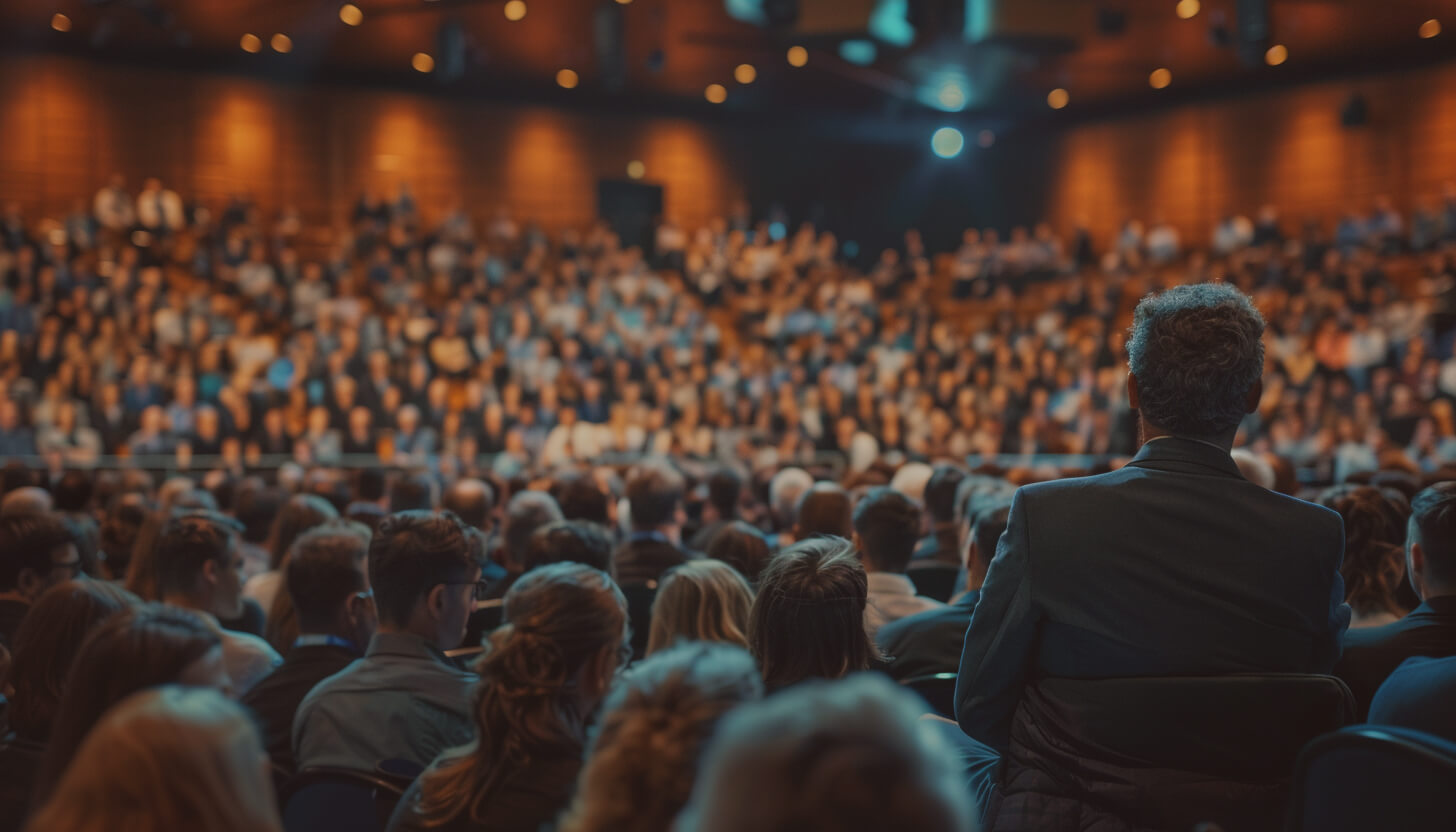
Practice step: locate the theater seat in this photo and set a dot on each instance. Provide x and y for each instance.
(1369, 777)
(1162, 752)
(938, 691)
(338, 800)
(938, 581)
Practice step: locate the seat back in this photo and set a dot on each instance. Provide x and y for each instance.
(340, 800)
(1375, 777)
(938, 691)
(936, 580)
(1170, 752)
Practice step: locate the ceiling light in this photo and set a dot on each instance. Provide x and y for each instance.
(515, 10)
(60, 22)
(351, 14)
(636, 170)
(281, 43)
(1430, 28)
(745, 74)
(423, 62)
(798, 56)
(567, 79)
(1277, 54)
(251, 43)
(1160, 78)
(1188, 8)
(716, 93)
(1058, 98)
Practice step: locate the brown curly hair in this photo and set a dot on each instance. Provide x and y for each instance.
(655, 725)
(1374, 563)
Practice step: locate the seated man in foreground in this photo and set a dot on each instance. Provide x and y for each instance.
(404, 700)
(1173, 566)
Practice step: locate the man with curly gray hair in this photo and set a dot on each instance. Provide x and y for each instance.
(1175, 565)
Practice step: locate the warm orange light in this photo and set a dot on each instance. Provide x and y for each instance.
(281, 43)
(251, 43)
(1188, 8)
(798, 56)
(60, 22)
(1277, 54)
(636, 170)
(351, 14)
(515, 10)
(624, 2)
(745, 74)
(1160, 78)
(1430, 28)
(567, 79)
(716, 93)
(1058, 98)
(423, 62)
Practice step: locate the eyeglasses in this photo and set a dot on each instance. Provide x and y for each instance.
(480, 592)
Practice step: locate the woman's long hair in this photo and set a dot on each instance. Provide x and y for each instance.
(154, 645)
(46, 646)
(702, 600)
(560, 619)
(164, 760)
(301, 513)
(808, 617)
(1374, 563)
(655, 724)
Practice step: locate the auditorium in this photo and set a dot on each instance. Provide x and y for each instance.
(727, 416)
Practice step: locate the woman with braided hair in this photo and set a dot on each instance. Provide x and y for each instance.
(655, 725)
(544, 673)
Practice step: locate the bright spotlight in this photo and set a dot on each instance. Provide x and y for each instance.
(798, 56)
(515, 10)
(350, 14)
(947, 142)
(1188, 8)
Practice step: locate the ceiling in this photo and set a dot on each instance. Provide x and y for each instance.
(671, 50)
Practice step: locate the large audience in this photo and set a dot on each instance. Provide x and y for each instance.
(509, 532)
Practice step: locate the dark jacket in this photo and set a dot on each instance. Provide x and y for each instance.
(275, 699)
(1373, 653)
(531, 797)
(638, 565)
(1418, 695)
(927, 642)
(1164, 753)
(1173, 565)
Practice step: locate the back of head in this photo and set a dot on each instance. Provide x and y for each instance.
(1374, 534)
(119, 534)
(940, 493)
(784, 492)
(1196, 352)
(655, 725)
(911, 479)
(564, 622)
(27, 544)
(152, 645)
(326, 565)
(72, 492)
(807, 619)
(581, 498)
(187, 543)
(888, 525)
(825, 510)
(1433, 525)
(301, 513)
(725, 487)
(26, 500)
(46, 645)
(574, 541)
(370, 485)
(412, 492)
(527, 513)
(654, 496)
(702, 600)
(742, 547)
(842, 755)
(257, 508)
(166, 759)
(410, 554)
(471, 500)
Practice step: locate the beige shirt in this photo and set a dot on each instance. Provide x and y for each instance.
(892, 597)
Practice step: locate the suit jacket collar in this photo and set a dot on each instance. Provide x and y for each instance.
(1173, 453)
(1442, 606)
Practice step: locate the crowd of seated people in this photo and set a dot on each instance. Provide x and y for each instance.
(213, 332)
(513, 653)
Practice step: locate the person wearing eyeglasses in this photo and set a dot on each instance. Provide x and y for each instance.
(404, 701)
(36, 553)
(328, 582)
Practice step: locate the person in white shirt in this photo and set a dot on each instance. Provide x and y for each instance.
(886, 529)
(199, 567)
(159, 209)
(113, 206)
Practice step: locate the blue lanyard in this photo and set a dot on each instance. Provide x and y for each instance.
(325, 640)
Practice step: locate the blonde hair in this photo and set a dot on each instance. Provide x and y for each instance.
(702, 600)
(166, 759)
(655, 724)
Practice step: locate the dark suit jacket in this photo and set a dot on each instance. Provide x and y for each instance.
(275, 700)
(638, 565)
(928, 642)
(1418, 695)
(1174, 565)
(1373, 652)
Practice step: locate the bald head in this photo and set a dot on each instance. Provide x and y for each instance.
(472, 501)
(26, 500)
